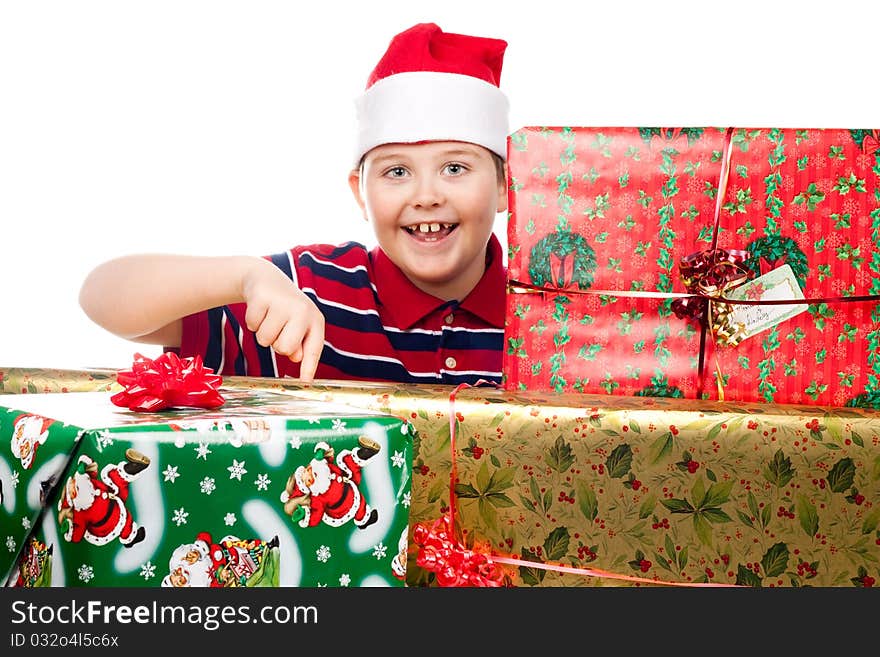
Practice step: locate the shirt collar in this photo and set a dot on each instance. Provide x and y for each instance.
(407, 304)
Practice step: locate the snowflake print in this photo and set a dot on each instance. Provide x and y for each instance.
(851, 206)
(103, 440)
(236, 470)
(694, 186)
(338, 425)
(207, 485)
(397, 460)
(314, 420)
(262, 482)
(180, 516)
(230, 519)
(171, 473)
(322, 586)
(380, 550)
(148, 570)
(202, 451)
(85, 573)
(10, 543)
(15, 479)
(323, 553)
(345, 579)
(404, 428)
(26, 523)
(407, 500)
(295, 442)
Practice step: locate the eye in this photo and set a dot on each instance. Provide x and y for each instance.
(396, 172)
(455, 169)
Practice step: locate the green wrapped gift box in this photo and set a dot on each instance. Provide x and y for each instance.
(268, 490)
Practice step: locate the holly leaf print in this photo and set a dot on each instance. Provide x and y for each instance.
(559, 457)
(488, 513)
(775, 560)
(703, 529)
(746, 577)
(841, 476)
(807, 516)
(438, 489)
(556, 544)
(779, 471)
(647, 507)
(587, 501)
(871, 521)
(619, 461)
(661, 447)
(530, 576)
(717, 494)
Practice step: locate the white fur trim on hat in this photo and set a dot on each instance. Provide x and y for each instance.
(432, 106)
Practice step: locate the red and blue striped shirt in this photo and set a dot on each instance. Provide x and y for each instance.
(378, 325)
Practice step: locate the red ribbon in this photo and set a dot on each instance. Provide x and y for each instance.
(441, 553)
(168, 382)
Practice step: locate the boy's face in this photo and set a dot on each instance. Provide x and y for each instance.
(432, 206)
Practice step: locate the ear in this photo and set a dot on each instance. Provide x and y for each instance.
(502, 192)
(354, 182)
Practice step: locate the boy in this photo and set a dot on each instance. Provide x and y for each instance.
(426, 305)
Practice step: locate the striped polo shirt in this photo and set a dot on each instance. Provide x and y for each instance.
(378, 325)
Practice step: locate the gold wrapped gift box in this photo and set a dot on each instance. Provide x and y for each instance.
(668, 490)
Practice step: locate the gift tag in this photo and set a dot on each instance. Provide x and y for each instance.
(777, 284)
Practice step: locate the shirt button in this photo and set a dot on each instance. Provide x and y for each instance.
(449, 318)
(450, 362)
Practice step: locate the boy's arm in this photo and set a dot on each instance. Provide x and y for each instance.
(145, 297)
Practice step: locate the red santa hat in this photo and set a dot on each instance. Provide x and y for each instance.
(432, 85)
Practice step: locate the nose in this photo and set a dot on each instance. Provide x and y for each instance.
(427, 193)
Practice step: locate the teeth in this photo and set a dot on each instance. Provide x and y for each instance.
(433, 227)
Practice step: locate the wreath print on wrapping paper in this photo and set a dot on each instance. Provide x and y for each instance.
(867, 140)
(777, 250)
(670, 139)
(562, 259)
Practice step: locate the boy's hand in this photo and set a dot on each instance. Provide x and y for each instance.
(283, 317)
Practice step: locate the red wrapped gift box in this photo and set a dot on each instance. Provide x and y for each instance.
(601, 219)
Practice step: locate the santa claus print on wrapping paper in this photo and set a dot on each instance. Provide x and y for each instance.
(28, 433)
(35, 565)
(231, 562)
(328, 489)
(398, 563)
(94, 507)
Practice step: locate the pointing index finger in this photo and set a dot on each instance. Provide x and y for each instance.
(312, 346)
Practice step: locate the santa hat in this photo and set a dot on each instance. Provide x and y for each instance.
(435, 86)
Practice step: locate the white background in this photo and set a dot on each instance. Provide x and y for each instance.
(212, 127)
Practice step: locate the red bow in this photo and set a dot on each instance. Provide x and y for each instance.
(871, 142)
(709, 273)
(562, 270)
(168, 382)
(454, 564)
(669, 139)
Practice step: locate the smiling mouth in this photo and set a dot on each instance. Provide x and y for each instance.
(430, 231)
